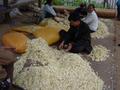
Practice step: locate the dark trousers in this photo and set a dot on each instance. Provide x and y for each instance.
(81, 46)
(48, 15)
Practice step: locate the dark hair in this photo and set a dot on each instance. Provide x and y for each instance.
(91, 5)
(74, 16)
(82, 5)
(48, 2)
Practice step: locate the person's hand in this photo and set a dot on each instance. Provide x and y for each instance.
(65, 46)
(66, 12)
(68, 47)
(57, 19)
(61, 46)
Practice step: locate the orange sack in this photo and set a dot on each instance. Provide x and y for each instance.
(50, 34)
(15, 40)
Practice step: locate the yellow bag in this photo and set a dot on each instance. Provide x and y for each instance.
(28, 29)
(50, 34)
(52, 23)
(15, 40)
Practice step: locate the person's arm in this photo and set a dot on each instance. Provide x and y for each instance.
(66, 39)
(61, 45)
(88, 19)
(69, 35)
(50, 10)
(69, 47)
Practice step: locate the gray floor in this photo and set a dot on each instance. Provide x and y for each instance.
(106, 70)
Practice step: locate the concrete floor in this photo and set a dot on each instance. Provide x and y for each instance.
(106, 69)
(109, 70)
(117, 54)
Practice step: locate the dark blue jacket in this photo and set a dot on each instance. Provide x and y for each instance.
(78, 34)
(118, 3)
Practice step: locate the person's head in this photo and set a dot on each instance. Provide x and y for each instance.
(49, 2)
(91, 8)
(83, 5)
(74, 19)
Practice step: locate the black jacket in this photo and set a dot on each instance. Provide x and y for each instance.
(78, 34)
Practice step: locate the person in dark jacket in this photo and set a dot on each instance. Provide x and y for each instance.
(49, 10)
(77, 39)
(81, 10)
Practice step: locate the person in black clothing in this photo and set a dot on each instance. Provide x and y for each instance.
(77, 39)
(82, 10)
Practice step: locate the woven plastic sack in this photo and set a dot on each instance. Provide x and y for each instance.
(50, 34)
(106, 13)
(15, 40)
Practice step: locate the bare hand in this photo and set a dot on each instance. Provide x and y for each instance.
(57, 19)
(69, 47)
(61, 46)
(66, 12)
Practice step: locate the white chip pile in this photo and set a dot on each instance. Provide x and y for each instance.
(99, 53)
(41, 68)
(102, 31)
